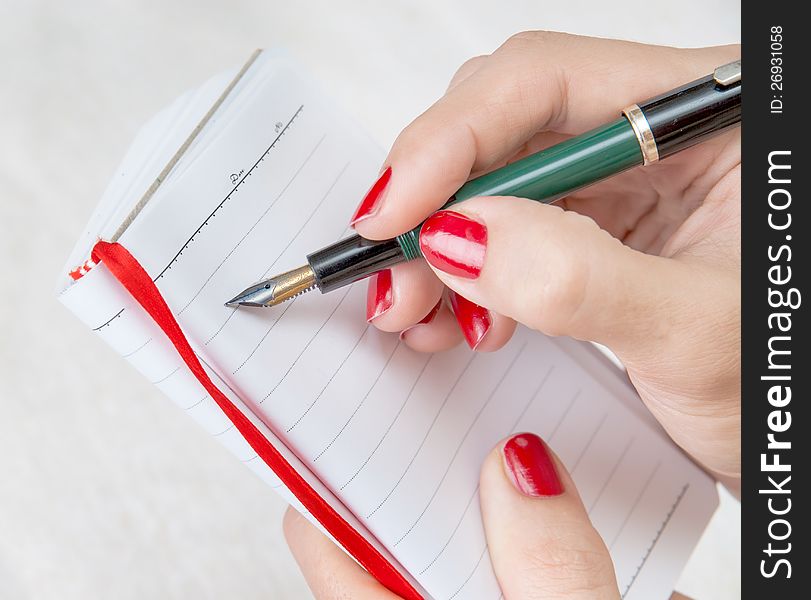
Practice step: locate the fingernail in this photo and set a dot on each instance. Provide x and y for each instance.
(379, 297)
(454, 243)
(530, 467)
(424, 321)
(474, 320)
(371, 201)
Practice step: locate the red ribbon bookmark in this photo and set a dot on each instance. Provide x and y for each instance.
(128, 271)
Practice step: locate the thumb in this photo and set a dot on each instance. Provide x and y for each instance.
(541, 541)
(555, 271)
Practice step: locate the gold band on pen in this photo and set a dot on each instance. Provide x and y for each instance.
(644, 135)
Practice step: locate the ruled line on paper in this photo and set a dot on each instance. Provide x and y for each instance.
(138, 349)
(656, 538)
(391, 424)
(221, 327)
(227, 429)
(612, 473)
(306, 346)
(270, 328)
(554, 431)
(329, 381)
(361, 403)
(165, 377)
(461, 443)
(196, 403)
(309, 218)
(444, 547)
(532, 399)
(425, 437)
(533, 396)
(635, 503)
(472, 573)
(588, 443)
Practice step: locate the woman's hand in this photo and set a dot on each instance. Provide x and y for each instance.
(646, 263)
(541, 542)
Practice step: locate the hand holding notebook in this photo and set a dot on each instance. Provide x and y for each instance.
(379, 445)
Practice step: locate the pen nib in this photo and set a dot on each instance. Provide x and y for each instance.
(277, 289)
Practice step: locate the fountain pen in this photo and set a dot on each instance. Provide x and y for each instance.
(645, 133)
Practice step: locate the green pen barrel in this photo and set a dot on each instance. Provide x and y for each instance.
(550, 174)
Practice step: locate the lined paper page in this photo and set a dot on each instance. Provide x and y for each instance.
(398, 436)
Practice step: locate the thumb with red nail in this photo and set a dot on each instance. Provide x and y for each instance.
(541, 542)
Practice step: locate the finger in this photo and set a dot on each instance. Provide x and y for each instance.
(329, 571)
(558, 272)
(399, 297)
(483, 329)
(534, 81)
(435, 332)
(540, 539)
(467, 69)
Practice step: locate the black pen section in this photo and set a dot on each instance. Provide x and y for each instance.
(692, 113)
(351, 259)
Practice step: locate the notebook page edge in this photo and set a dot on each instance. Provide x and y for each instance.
(168, 129)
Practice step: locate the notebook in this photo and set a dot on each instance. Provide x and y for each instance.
(378, 445)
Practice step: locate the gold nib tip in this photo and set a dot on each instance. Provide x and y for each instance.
(277, 289)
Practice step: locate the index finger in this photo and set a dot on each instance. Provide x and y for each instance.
(535, 81)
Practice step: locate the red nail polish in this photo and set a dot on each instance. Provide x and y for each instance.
(379, 297)
(474, 320)
(430, 316)
(424, 321)
(530, 467)
(454, 243)
(371, 201)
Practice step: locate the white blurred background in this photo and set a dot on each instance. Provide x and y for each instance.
(107, 490)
